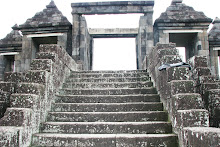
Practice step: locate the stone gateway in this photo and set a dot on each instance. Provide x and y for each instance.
(50, 96)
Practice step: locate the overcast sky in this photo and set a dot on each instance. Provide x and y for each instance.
(18, 11)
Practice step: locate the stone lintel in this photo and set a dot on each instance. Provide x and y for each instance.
(112, 32)
(183, 31)
(113, 7)
(215, 44)
(115, 3)
(9, 53)
(44, 35)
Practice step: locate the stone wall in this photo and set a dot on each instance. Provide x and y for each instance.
(208, 86)
(3, 64)
(178, 94)
(29, 94)
(144, 39)
(86, 45)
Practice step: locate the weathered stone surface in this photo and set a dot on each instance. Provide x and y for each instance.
(164, 52)
(30, 88)
(198, 61)
(153, 140)
(100, 140)
(165, 46)
(178, 12)
(57, 64)
(12, 42)
(114, 91)
(193, 118)
(169, 59)
(114, 7)
(16, 117)
(182, 86)
(34, 91)
(49, 17)
(90, 85)
(47, 55)
(96, 80)
(7, 87)
(32, 76)
(111, 33)
(25, 101)
(107, 98)
(110, 71)
(177, 92)
(33, 102)
(102, 110)
(4, 102)
(20, 120)
(201, 71)
(53, 51)
(10, 136)
(208, 79)
(179, 73)
(107, 107)
(201, 136)
(42, 64)
(107, 116)
(108, 75)
(214, 34)
(107, 127)
(212, 101)
(13, 77)
(187, 101)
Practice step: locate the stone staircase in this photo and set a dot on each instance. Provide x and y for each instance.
(107, 109)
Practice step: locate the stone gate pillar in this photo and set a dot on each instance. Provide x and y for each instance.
(186, 27)
(76, 37)
(145, 38)
(81, 37)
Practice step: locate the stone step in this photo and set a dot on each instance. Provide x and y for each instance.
(108, 75)
(110, 91)
(93, 85)
(111, 79)
(136, 116)
(108, 71)
(107, 98)
(106, 107)
(105, 140)
(107, 127)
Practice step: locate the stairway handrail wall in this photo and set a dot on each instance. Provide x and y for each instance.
(189, 118)
(32, 93)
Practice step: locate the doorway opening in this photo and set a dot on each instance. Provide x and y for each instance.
(182, 53)
(42, 40)
(114, 54)
(187, 40)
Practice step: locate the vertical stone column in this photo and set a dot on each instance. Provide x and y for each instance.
(2, 67)
(91, 53)
(149, 31)
(145, 37)
(76, 37)
(85, 44)
(23, 60)
(163, 37)
(83, 40)
(142, 34)
(203, 44)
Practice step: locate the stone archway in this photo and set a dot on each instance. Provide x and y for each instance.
(82, 38)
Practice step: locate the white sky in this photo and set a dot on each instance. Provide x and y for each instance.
(18, 11)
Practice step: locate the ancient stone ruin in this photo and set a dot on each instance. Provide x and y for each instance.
(49, 95)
